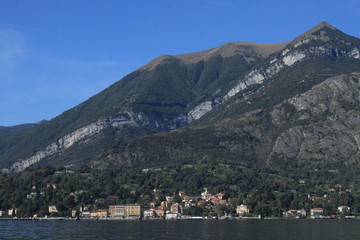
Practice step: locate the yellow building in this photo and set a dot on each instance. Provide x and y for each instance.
(133, 210)
(117, 210)
(101, 213)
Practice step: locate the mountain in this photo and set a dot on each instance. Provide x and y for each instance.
(235, 102)
(16, 128)
(316, 127)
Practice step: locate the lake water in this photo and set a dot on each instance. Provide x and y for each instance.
(182, 229)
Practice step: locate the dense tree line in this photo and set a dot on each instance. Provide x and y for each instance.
(269, 191)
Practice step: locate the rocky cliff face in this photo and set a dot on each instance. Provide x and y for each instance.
(85, 134)
(320, 126)
(301, 49)
(324, 122)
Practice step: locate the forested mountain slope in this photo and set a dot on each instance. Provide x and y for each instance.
(216, 103)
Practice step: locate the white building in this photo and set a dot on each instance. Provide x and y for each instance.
(316, 212)
(344, 209)
(12, 212)
(149, 213)
(172, 216)
(301, 213)
(52, 209)
(242, 209)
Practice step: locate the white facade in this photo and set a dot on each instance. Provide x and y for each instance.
(343, 209)
(52, 209)
(149, 213)
(316, 212)
(172, 216)
(242, 209)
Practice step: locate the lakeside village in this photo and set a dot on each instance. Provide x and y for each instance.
(175, 207)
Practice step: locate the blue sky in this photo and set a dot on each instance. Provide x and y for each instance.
(55, 54)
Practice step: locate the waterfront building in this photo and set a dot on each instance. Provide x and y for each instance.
(133, 210)
(301, 213)
(12, 212)
(117, 210)
(149, 213)
(296, 213)
(125, 210)
(316, 212)
(101, 213)
(172, 216)
(176, 208)
(242, 209)
(291, 213)
(73, 213)
(160, 212)
(85, 214)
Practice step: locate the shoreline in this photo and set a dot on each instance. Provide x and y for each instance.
(172, 219)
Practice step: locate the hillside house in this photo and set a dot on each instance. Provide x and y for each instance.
(344, 209)
(52, 209)
(32, 195)
(165, 204)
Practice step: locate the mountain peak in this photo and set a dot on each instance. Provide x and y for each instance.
(323, 24)
(247, 49)
(320, 26)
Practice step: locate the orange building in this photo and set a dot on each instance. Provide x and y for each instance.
(160, 212)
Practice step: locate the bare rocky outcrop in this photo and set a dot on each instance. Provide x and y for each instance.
(89, 131)
(289, 56)
(325, 123)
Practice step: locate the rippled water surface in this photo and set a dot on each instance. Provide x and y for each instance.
(182, 229)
